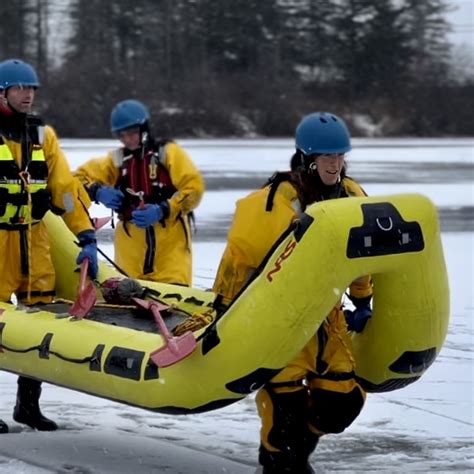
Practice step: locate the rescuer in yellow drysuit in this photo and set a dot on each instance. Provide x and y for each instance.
(317, 392)
(153, 186)
(34, 178)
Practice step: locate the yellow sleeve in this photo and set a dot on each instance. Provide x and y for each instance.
(361, 287)
(251, 236)
(185, 178)
(353, 188)
(64, 188)
(100, 170)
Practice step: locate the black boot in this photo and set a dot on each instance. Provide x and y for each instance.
(27, 410)
(284, 463)
(289, 434)
(3, 427)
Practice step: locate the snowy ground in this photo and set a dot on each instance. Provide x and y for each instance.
(425, 427)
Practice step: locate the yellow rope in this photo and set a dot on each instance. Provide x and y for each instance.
(194, 322)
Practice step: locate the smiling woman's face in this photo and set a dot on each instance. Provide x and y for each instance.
(329, 167)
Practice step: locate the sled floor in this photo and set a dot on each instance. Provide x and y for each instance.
(133, 318)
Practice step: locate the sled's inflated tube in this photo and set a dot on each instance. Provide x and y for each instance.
(394, 238)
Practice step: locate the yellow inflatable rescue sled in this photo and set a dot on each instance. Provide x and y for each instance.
(394, 238)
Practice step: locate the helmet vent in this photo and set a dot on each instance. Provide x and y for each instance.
(323, 133)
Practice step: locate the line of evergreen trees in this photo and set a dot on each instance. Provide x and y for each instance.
(242, 67)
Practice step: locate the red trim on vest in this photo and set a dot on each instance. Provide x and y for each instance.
(145, 179)
(137, 172)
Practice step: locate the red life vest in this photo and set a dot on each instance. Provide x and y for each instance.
(146, 174)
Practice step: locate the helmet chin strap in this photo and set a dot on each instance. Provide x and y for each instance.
(144, 139)
(145, 135)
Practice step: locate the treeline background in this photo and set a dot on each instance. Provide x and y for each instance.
(243, 67)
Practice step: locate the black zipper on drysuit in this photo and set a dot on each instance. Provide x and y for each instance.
(150, 238)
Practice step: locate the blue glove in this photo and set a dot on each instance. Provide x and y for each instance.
(357, 319)
(149, 215)
(109, 197)
(88, 243)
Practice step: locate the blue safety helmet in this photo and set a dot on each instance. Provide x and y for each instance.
(322, 133)
(128, 114)
(15, 72)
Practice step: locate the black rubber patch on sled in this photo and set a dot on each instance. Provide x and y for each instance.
(125, 363)
(251, 382)
(2, 325)
(44, 347)
(194, 300)
(410, 362)
(151, 370)
(383, 232)
(214, 405)
(387, 385)
(302, 226)
(96, 359)
(414, 362)
(211, 340)
(176, 296)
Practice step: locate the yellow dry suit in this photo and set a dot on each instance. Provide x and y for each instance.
(34, 178)
(161, 252)
(317, 392)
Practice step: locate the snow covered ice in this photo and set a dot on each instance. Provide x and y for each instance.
(425, 427)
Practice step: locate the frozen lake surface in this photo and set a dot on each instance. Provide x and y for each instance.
(425, 427)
